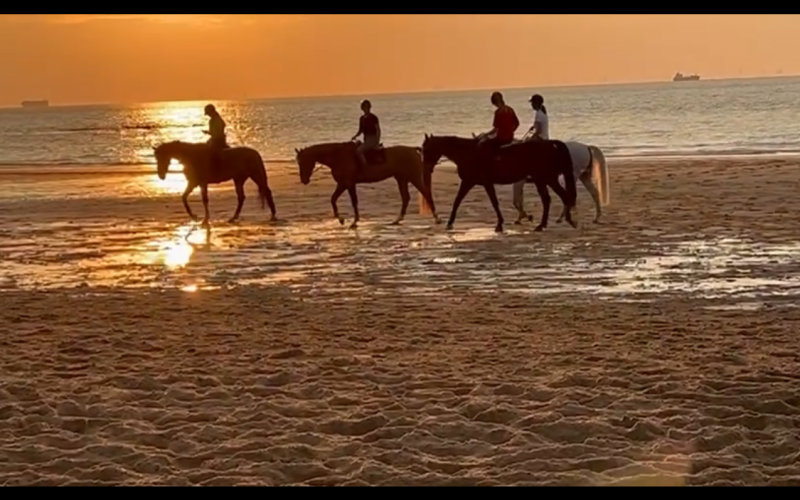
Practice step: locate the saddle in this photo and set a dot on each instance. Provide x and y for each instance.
(376, 156)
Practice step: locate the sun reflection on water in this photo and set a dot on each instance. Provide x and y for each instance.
(176, 251)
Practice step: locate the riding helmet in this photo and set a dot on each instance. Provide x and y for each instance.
(209, 109)
(366, 104)
(496, 96)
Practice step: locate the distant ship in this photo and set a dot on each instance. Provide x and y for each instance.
(43, 103)
(680, 77)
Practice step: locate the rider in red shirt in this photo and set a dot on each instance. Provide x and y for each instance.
(503, 127)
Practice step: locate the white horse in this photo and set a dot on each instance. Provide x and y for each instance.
(589, 164)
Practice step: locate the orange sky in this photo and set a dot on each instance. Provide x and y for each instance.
(137, 58)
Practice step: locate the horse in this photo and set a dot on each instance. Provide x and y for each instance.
(403, 163)
(541, 161)
(589, 165)
(237, 163)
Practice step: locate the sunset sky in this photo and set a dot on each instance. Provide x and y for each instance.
(142, 58)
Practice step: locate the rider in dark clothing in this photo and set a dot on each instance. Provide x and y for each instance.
(216, 130)
(370, 127)
(503, 127)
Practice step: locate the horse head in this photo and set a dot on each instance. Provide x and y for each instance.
(306, 161)
(431, 151)
(164, 154)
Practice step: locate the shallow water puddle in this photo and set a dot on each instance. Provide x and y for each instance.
(326, 258)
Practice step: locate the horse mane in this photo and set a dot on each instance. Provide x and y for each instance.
(452, 138)
(323, 148)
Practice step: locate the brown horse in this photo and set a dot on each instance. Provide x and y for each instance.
(238, 164)
(540, 161)
(403, 163)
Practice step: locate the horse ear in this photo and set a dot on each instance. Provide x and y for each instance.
(426, 136)
(296, 151)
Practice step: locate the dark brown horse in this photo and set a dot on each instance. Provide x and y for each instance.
(403, 163)
(540, 161)
(238, 164)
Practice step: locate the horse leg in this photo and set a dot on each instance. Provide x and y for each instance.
(190, 186)
(240, 197)
(463, 189)
(541, 188)
(489, 188)
(562, 193)
(334, 198)
(405, 197)
(519, 202)
(204, 194)
(351, 190)
(586, 179)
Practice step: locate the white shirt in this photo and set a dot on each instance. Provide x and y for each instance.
(544, 124)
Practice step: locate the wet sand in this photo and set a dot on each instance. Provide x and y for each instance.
(657, 348)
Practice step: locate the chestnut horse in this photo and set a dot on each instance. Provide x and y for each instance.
(403, 163)
(238, 164)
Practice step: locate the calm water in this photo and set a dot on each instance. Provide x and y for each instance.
(660, 119)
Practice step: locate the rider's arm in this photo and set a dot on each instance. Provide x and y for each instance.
(360, 129)
(378, 128)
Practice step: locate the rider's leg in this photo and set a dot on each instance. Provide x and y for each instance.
(361, 151)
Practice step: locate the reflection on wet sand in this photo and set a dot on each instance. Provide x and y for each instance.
(176, 251)
(322, 258)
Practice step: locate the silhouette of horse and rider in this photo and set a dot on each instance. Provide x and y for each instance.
(491, 158)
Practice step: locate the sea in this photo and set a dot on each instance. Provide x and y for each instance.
(670, 119)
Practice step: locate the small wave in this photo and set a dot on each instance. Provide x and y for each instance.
(5, 165)
(143, 126)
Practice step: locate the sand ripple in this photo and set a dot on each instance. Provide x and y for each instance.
(390, 401)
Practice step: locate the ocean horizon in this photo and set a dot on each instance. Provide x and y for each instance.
(633, 120)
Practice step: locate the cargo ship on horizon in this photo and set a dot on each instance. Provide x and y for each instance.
(40, 103)
(680, 77)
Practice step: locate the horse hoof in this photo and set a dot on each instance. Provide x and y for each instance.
(341, 221)
(559, 221)
(530, 218)
(354, 226)
(498, 229)
(395, 223)
(518, 222)
(538, 229)
(437, 220)
(233, 220)
(449, 227)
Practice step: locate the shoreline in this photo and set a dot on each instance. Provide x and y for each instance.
(11, 169)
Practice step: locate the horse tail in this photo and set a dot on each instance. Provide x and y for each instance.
(600, 175)
(569, 172)
(264, 192)
(427, 181)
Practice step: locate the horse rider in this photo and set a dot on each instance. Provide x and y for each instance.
(504, 125)
(541, 124)
(216, 132)
(539, 130)
(370, 128)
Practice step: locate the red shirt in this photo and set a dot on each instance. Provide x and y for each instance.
(506, 123)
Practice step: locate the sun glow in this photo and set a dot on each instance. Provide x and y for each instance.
(176, 251)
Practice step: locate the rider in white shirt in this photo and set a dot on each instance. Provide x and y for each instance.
(541, 124)
(539, 130)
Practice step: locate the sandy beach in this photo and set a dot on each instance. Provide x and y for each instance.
(659, 348)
